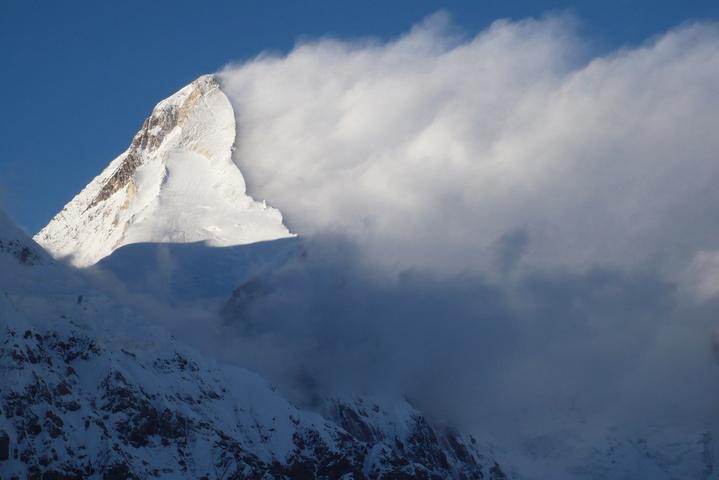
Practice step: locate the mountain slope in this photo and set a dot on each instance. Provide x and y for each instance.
(91, 390)
(176, 183)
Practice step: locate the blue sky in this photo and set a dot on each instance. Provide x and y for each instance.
(80, 77)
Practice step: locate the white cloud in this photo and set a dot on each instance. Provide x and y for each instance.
(427, 149)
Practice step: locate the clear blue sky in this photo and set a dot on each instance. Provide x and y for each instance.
(79, 77)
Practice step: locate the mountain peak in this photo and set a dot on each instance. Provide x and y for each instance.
(167, 115)
(175, 183)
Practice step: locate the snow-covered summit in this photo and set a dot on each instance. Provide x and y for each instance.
(176, 183)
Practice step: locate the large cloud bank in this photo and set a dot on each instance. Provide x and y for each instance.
(429, 149)
(494, 225)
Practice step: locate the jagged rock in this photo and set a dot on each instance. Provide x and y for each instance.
(4, 447)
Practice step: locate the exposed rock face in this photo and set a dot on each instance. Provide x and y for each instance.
(410, 444)
(15, 246)
(164, 118)
(25, 254)
(4, 447)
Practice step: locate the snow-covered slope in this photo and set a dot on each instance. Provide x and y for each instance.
(90, 389)
(15, 245)
(176, 183)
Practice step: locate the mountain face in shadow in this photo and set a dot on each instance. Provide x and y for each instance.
(181, 273)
